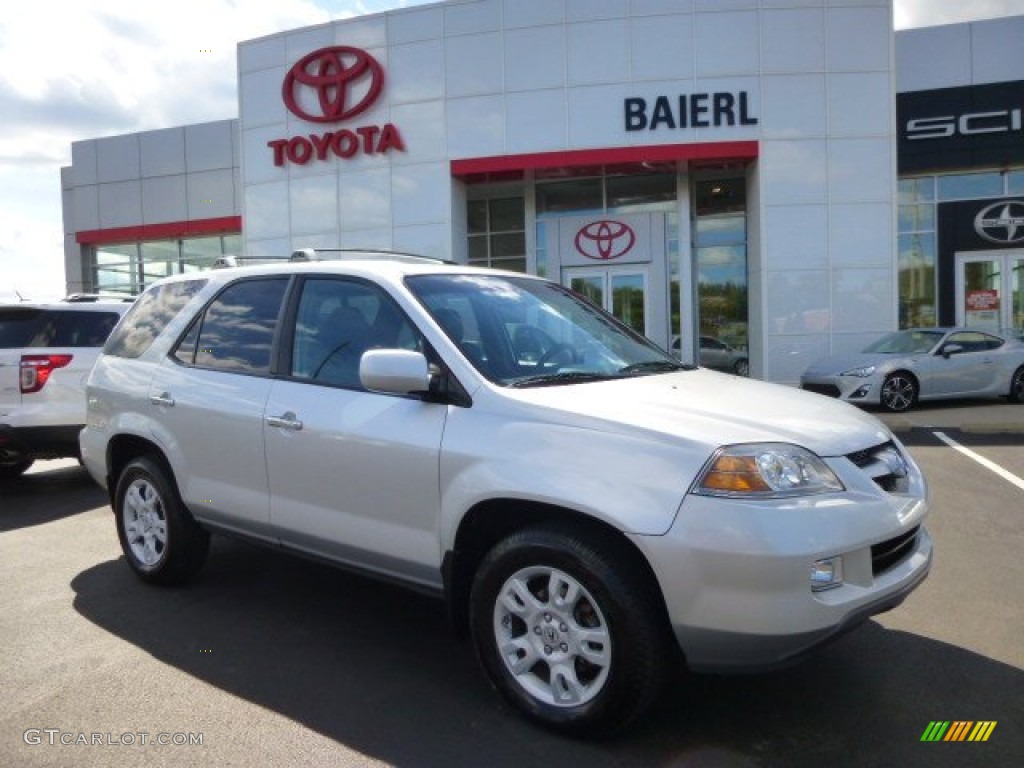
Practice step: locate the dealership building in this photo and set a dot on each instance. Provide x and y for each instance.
(789, 177)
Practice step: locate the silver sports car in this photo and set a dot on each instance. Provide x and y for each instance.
(923, 364)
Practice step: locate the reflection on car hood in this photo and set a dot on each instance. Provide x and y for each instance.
(833, 366)
(715, 409)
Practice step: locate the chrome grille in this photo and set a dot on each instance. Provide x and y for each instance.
(886, 554)
(885, 465)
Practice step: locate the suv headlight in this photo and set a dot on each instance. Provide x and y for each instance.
(861, 373)
(765, 470)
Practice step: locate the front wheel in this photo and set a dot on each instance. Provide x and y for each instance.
(159, 538)
(1017, 386)
(568, 629)
(899, 392)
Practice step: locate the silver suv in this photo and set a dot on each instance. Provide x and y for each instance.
(46, 352)
(587, 506)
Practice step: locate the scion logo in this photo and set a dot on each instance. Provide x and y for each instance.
(327, 86)
(1001, 223)
(345, 81)
(605, 240)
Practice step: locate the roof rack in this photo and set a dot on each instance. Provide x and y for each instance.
(341, 254)
(84, 298)
(226, 262)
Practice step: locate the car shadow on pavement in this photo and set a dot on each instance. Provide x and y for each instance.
(68, 490)
(376, 668)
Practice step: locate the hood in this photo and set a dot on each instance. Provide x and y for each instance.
(712, 409)
(833, 366)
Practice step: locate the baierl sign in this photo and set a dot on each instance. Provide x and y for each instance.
(334, 85)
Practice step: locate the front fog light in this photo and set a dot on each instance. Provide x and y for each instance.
(826, 574)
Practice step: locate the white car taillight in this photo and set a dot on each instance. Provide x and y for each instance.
(36, 370)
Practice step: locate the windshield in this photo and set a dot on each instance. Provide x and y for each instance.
(906, 343)
(528, 332)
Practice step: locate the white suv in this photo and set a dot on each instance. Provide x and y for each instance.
(46, 351)
(586, 505)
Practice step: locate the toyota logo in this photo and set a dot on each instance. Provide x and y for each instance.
(1001, 223)
(345, 82)
(605, 240)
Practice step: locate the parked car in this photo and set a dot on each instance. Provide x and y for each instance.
(906, 367)
(46, 351)
(718, 355)
(587, 506)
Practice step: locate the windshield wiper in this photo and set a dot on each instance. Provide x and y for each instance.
(566, 377)
(654, 366)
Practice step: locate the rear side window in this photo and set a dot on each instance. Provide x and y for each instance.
(54, 328)
(149, 316)
(236, 332)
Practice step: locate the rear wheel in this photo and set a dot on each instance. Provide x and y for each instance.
(13, 464)
(1017, 386)
(568, 629)
(159, 538)
(899, 392)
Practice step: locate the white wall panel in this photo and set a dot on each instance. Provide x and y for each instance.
(533, 13)
(796, 237)
(425, 239)
(423, 128)
(120, 204)
(798, 301)
(415, 24)
(863, 300)
(472, 18)
(211, 145)
(598, 52)
(858, 39)
(367, 32)
(364, 199)
(474, 65)
(416, 72)
(211, 194)
(591, 10)
(793, 40)
(787, 357)
(793, 106)
(313, 203)
(85, 207)
(661, 47)
(734, 85)
(535, 59)
(794, 171)
(117, 158)
(419, 194)
(476, 126)
(724, 5)
(260, 98)
(164, 198)
(861, 235)
(298, 44)
(319, 240)
(259, 162)
(933, 57)
(266, 211)
(535, 121)
(860, 104)
(268, 248)
(162, 152)
(659, 7)
(998, 50)
(83, 162)
(262, 54)
(596, 116)
(727, 43)
(860, 170)
(374, 239)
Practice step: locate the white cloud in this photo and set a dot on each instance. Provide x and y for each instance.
(930, 13)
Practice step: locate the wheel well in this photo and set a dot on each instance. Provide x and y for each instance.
(491, 521)
(123, 449)
(908, 374)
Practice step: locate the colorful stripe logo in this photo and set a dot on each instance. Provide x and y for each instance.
(958, 730)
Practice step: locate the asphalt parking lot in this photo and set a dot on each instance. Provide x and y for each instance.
(269, 660)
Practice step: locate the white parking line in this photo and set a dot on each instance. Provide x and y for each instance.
(990, 465)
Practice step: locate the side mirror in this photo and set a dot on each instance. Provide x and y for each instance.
(394, 371)
(951, 349)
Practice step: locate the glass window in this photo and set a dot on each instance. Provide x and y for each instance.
(632, 194)
(116, 269)
(917, 218)
(575, 196)
(497, 233)
(964, 186)
(337, 321)
(476, 216)
(715, 196)
(237, 329)
(917, 308)
(917, 190)
(723, 229)
(149, 315)
(80, 329)
(1015, 183)
(507, 214)
(201, 252)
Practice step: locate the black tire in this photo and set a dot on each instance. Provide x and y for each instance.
(159, 538)
(605, 653)
(899, 392)
(13, 464)
(741, 367)
(1017, 386)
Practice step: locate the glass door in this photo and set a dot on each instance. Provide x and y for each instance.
(623, 292)
(990, 291)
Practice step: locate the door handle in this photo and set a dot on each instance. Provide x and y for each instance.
(285, 421)
(162, 399)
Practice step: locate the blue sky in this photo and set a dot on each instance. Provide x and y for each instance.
(81, 69)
